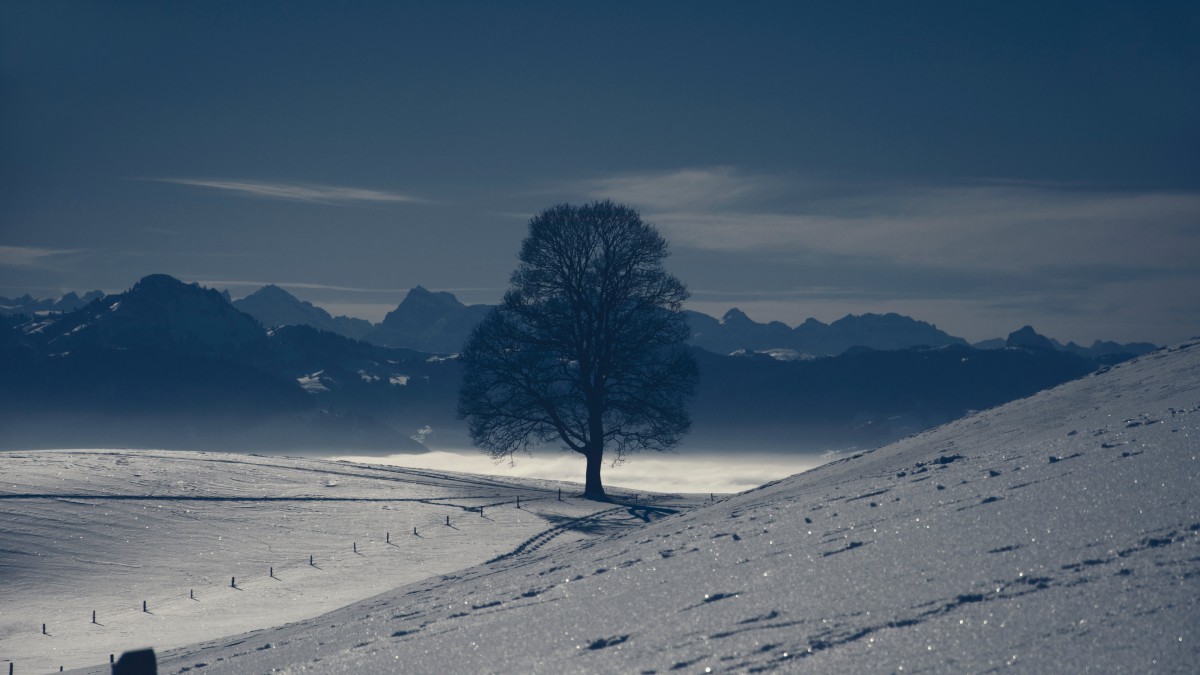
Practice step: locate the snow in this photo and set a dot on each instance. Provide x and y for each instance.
(1058, 533)
(398, 380)
(312, 383)
(103, 530)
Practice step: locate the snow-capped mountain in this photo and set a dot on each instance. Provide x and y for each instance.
(170, 364)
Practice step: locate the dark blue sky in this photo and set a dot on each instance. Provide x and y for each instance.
(977, 166)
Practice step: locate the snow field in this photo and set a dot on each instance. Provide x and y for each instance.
(105, 530)
(1059, 533)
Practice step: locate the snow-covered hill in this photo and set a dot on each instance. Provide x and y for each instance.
(84, 530)
(1058, 533)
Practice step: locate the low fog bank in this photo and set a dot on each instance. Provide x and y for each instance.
(674, 472)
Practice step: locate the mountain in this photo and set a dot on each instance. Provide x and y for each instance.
(274, 307)
(1104, 352)
(159, 312)
(29, 306)
(861, 398)
(736, 331)
(1055, 534)
(428, 321)
(169, 364)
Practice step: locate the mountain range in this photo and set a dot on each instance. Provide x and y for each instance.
(437, 322)
(27, 304)
(174, 365)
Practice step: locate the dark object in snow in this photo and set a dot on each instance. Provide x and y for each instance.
(607, 642)
(136, 662)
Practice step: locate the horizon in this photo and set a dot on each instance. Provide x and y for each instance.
(375, 312)
(978, 167)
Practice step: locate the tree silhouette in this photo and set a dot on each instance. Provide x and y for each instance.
(587, 347)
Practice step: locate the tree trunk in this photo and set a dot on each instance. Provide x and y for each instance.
(592, 488)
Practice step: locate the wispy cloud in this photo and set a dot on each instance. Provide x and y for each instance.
(298, 192)
(243, 283)
(679, 189)
(31, 257)
(240, 283)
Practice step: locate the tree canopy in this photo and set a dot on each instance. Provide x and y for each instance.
(587, 347)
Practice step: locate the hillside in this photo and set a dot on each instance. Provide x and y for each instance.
(103, 530)
(1056, 533)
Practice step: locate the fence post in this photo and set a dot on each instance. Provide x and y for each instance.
(233, 582)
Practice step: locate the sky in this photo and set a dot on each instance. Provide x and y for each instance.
(978, 165)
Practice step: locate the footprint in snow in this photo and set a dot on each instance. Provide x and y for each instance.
(602, 643)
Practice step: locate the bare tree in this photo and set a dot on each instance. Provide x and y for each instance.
(587, 348)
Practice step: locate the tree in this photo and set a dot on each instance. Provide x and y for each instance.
(586, 348)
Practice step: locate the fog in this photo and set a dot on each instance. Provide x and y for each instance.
(679, 473)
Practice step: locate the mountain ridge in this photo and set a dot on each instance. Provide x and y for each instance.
(215, 374)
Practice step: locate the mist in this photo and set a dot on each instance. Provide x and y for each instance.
(674, 473)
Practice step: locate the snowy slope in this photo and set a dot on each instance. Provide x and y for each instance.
(88, 530)
(1058, 533)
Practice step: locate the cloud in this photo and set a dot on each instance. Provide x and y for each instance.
(32, 258)
(237, 283)
(681, 189)
(299, 192)
(242, 283)
(993, 226)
